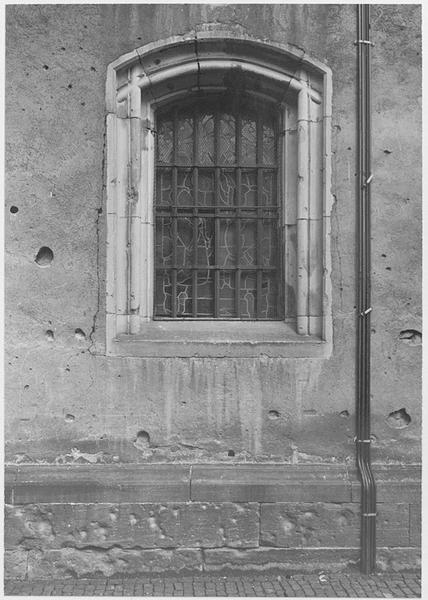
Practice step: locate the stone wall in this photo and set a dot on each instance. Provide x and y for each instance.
(156, 519)
(69, 404)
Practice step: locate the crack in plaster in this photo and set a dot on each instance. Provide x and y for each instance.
(97, 225)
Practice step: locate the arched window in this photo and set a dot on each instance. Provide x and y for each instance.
(218, 200)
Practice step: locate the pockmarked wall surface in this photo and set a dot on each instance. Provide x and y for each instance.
(70, 406)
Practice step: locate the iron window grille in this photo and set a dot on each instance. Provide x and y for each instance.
(217, 216)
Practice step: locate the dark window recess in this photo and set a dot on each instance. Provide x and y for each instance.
(217, 239)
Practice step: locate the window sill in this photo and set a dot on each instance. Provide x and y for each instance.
(186, 339)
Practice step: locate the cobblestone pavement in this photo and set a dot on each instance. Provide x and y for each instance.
(327, 585)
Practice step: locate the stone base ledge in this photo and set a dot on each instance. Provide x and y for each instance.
(259, 482)
(88, 563)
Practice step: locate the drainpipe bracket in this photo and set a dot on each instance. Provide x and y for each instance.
(363, 42)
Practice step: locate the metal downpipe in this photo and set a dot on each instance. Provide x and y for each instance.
(368, 487)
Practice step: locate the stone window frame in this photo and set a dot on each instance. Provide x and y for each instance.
(165, 71)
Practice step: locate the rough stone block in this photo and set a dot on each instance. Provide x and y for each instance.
(72, 562)
(289, 559)
(270, 483)
(415, 525)
(398, 559)
(392, 524)
(102, 483)
(292, 525)
(15, 564)
(103, 526)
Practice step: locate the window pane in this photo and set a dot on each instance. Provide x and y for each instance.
(249, 188)
(184, 188)
(185, 140)
(248, 141)
(269, 295)
(164, 187)
(164, 243)
(227, 188)
(184, 293)
(268, 145)
(206, 187)
(269, 188)
(269, 242)
(248, 294)
(206, 139)
(206, 251)
(248, 242)
(227, 294)
(205, 293)
(227, 243)
(163, 294)
(226, 139)
(165, 141)
(184, 250)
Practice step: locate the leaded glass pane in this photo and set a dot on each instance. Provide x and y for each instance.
(184, 188)
(205, 246)
(268, 145)
(227, 188)
(227, 139)
(249, 141)
(226, 244)
(163, 295)
(206, 139)
(185, 140)
(206, 187)
(268, 188)
(164, 242)
(248, 242)
(184, 293)
(227, 294)
(184, 244)
(205, 294)
(248, 294)
(164, 187)
(165, 141)
(249, 188)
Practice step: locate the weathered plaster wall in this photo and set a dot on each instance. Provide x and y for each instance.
(67, 402)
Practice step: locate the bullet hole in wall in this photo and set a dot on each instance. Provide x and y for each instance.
(49, 335)
(44, 257)
(344, 414)
(93, 69)
(383, 255)
(26, 387)
(100, 211)
(387, 151)
(143, 440)
(14, 209)
(231, 453)
(79, 334)
(388, 268)
(69, 418)
(45, 67)
(273, 414)
(398, 419)
(411, 337)
(70, 86)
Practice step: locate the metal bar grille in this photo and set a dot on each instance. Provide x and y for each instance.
(217, 214)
